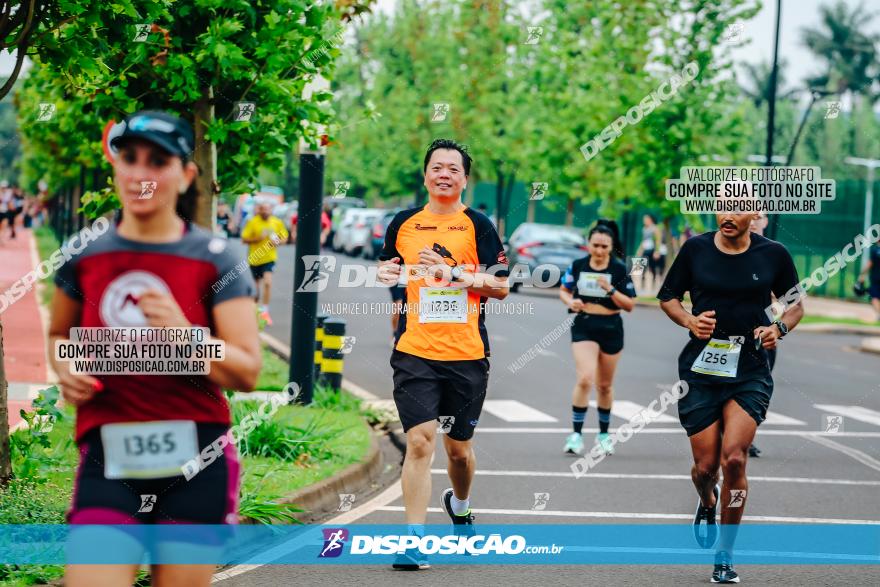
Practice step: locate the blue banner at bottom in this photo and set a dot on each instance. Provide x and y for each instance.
(541, 544)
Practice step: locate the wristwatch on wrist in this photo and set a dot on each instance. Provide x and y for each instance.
(783, 329)
(611, 291)
(456, 273)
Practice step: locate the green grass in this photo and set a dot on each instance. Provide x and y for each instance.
(808, 319)
(273, 375)
(339, 437)
(273, 478)
(265, 478)
(46, 245)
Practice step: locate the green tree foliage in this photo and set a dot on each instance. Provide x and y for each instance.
(197, 58)
(526, 106)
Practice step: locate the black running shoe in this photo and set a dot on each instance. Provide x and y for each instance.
(706, 539)
(754, 451)
(411, 560)
(464, 524)
(724, 572)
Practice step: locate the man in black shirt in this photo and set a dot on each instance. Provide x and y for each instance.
(872, 271)
(730, 274)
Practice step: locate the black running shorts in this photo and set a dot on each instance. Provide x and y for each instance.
(451, 392)
(259, 270)
(704, 402)
(209, 497)
(605, 330)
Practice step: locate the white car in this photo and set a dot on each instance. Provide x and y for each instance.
(362, 230)
(354, 230)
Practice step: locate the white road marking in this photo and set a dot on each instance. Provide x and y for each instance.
(511, 410)
(807, 480)
(393, 493)
(858, 455)
(775, 419)
(641, 516)
(649, 430)
(627, 410)
(855, 412)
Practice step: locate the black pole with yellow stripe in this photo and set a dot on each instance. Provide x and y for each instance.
(319, 344)
(331, 364)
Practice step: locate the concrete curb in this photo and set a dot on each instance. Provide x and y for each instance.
(870, 345)
(323, 496)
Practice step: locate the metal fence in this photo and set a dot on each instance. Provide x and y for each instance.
(811, 238)
(64, 216)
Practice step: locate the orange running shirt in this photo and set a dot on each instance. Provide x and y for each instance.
(437, 323)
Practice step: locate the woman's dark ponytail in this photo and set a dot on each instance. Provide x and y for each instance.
(609, 227)
(186, 203)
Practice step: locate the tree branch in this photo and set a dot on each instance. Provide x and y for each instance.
(26, 29)
(19, 59)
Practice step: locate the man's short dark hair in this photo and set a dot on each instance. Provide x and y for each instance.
(449, 144)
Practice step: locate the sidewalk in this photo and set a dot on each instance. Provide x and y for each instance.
(815, 307)
(24, 330)
(831, 308)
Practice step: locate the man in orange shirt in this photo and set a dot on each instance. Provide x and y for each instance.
(452, 261)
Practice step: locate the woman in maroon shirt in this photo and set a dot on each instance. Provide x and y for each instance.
(138, 433)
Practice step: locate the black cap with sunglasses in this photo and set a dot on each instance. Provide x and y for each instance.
(167, 131)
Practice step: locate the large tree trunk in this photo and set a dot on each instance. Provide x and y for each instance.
(5, 461)
(205, 156)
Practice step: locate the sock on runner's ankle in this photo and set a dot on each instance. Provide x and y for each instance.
(460, 506)
(578, 415)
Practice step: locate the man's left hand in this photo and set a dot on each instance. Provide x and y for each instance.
(769, 336)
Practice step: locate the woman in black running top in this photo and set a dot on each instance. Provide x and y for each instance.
(596, 288)
(141, 436)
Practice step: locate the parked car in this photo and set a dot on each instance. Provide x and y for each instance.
(338, 207)
(534, 245)
(377, 237)
(354, 232)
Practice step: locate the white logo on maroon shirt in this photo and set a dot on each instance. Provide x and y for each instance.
(119, 304)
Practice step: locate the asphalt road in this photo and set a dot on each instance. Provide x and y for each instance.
(801, 477)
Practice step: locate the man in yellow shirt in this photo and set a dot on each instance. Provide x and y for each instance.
(262, 234)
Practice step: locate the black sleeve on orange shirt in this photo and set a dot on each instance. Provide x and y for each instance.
(490, 251)
(389, 251)
(679, 279)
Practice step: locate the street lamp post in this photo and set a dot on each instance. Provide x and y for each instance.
(308, 246)
(771, 111)
(871, 164)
